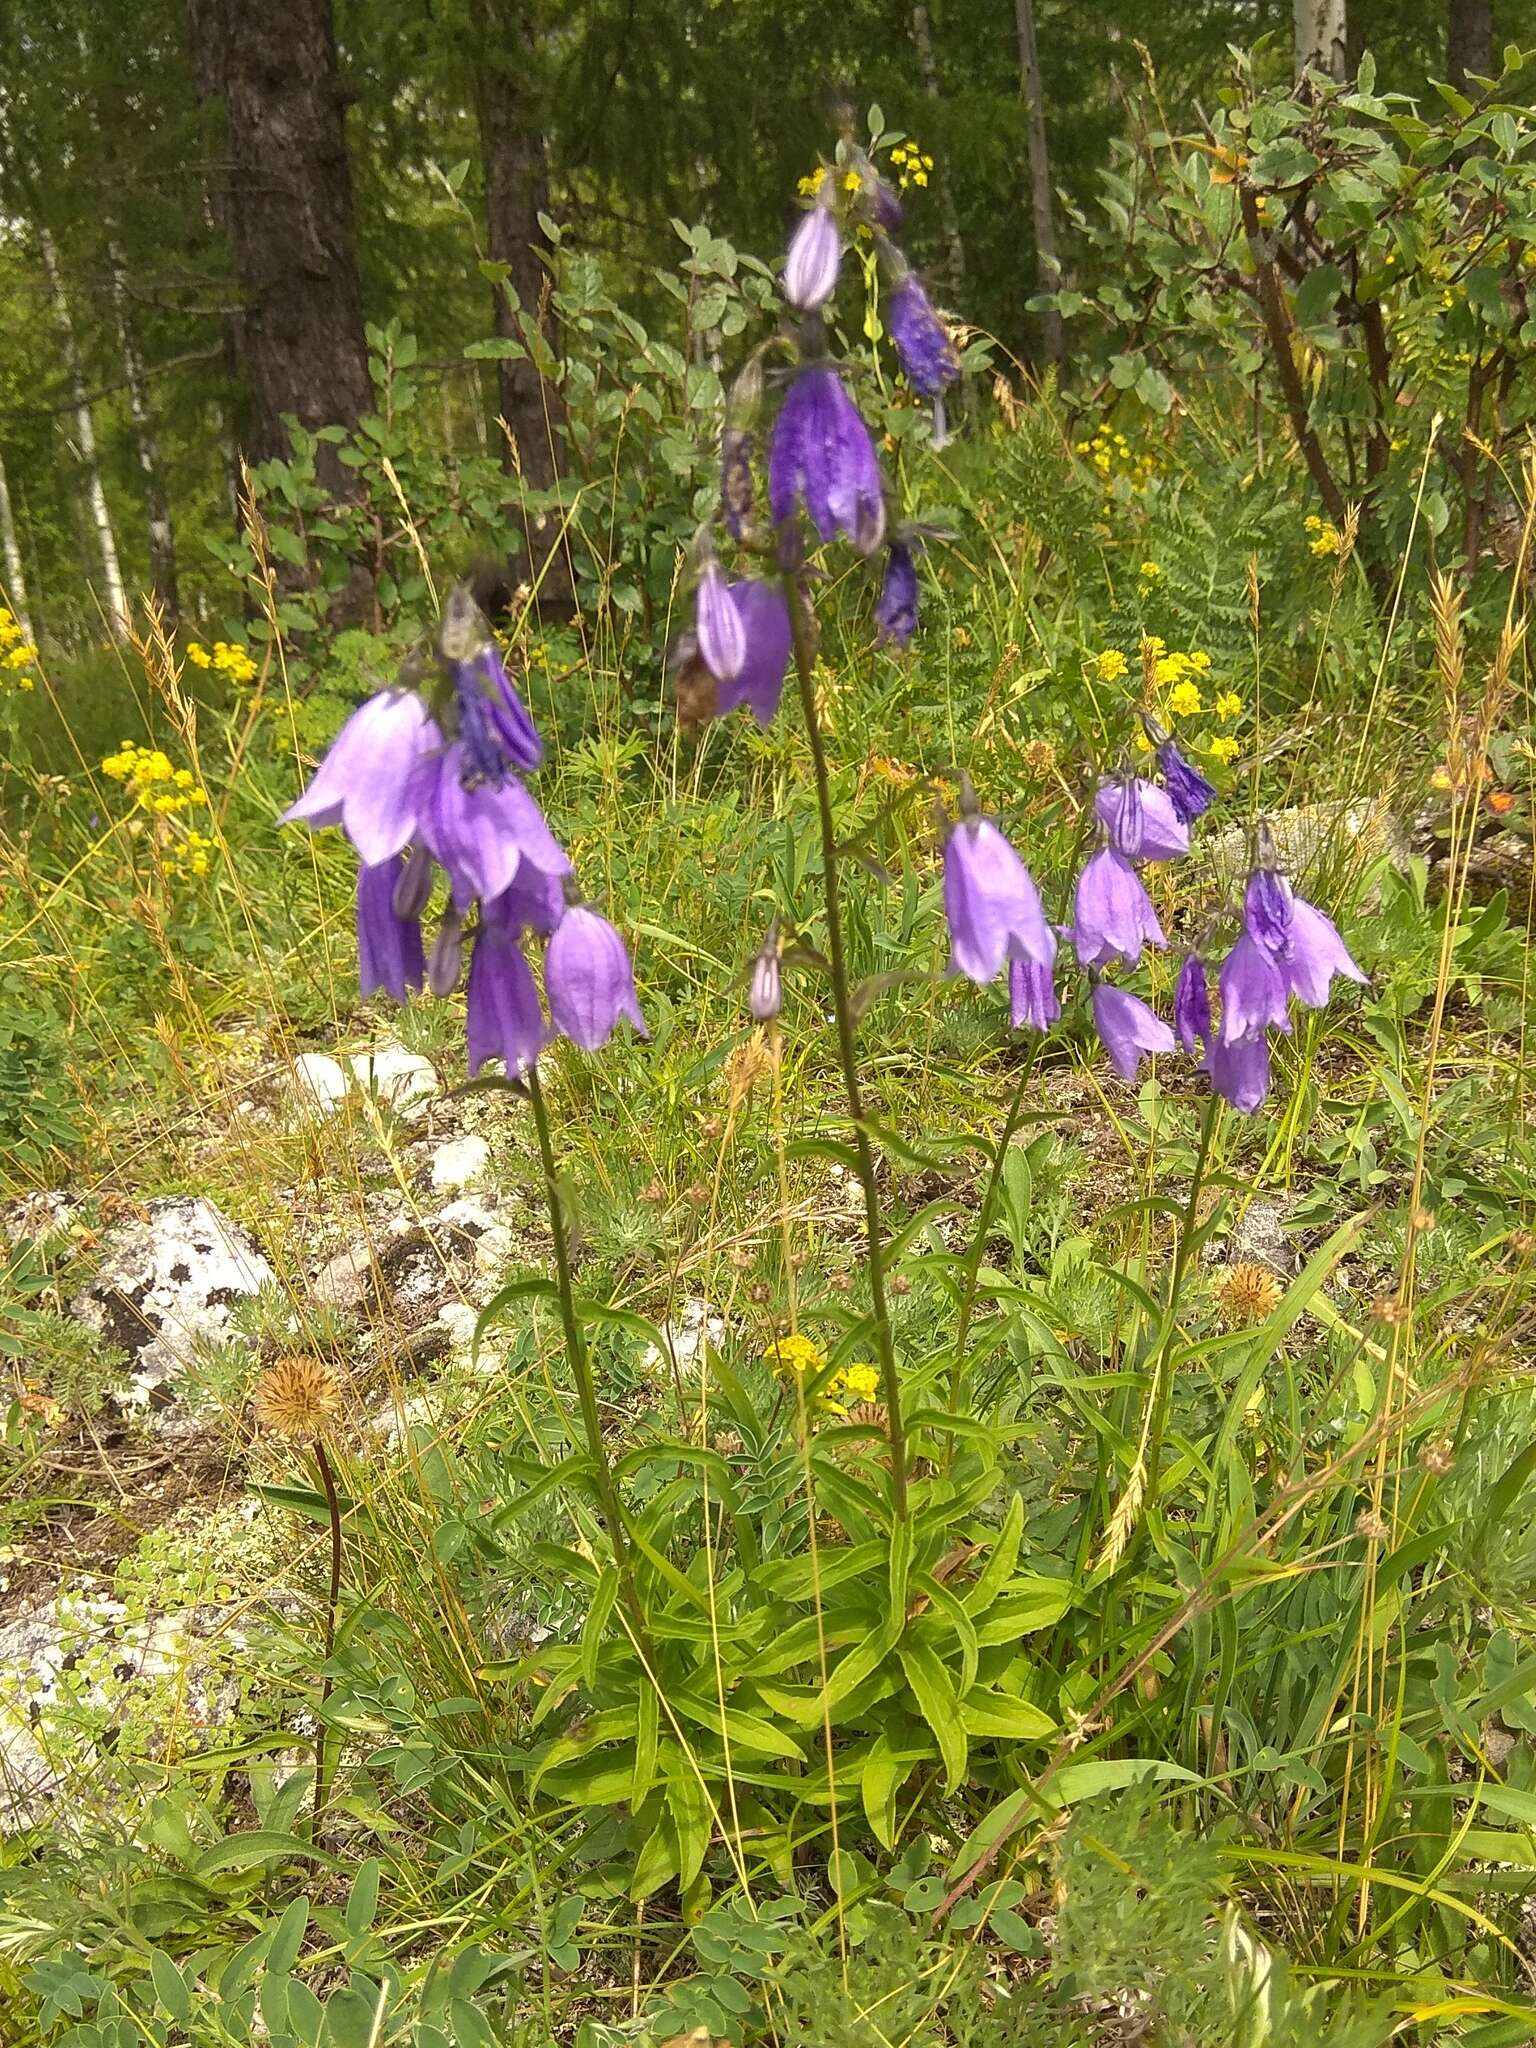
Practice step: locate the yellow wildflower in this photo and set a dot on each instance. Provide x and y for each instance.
(1111, 665)
(859, 1382)
(795, 1355)
(1223, 746)
(1184, 700)
(198, 655)
(1228, 704)
(1150, 571)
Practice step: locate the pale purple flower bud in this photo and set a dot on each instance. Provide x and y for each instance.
(766, 996)
(503, 1019)
(992, 904)
(763, 612)
(1314, 954)
(1112, 914)
(1192, 1004)
(389, 954)
(722, 640)
(413, 890)
(896, 606)
(447, 956)
(1128, 1028)
(815, 251)
(487, 698)
(1239, 1071)
(1141, 820)
(927, 354)
(1253, 992)
(821, 454)
(1033, 1004)
(1189, 792)
(368, 782)
(588, 979)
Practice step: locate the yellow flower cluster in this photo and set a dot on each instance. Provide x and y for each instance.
(1325, 535)
(1176, 678)
(911, 164)
(798, 1358)
(1110, 666)
(153, 780)
(228, 657)
(811, 183)
(795, 1356)
(1111, 455)
(191, 854)
(17, 653)
(859, 1381)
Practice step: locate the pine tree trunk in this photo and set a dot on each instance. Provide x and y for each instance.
(289, 215)
(504, 63)
(162, 536)
(114, 597)
(1469, 41)
(954, 247)
(10, 554)
(1047, 265)
(1322, 38)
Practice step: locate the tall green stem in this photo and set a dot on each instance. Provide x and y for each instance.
(842, 1010)
(581, 1372)
(332, 1603)
(984, 1223)
(1163, 1378)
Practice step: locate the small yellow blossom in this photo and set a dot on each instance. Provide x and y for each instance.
(795, 1355)
(1111, 665)
(1140, 741)
(859, 1382)
(1325, 535)
(1184, 700)
(1150, 571)
(1228, 704)
(1223, 746)
(198, 655)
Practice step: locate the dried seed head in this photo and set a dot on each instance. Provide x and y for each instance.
(745, 1065)
(1423, 1220)
(899, 1284)
(742, 1257)
(1371, 1525)
(1437, 1458)
(1386, 1308)
(1247, 1294)
(298, 1397)
(758, 1292)
(1523, 1243)
(1040, 757)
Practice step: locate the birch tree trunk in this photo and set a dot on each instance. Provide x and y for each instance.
(162, 538)
(1047, 264)
(954, 248)
(10, 553)
(114, 597)
(1321, 38)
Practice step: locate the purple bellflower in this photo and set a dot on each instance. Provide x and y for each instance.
(389, 951)
(722, 637)
(927, 354)
(589, 981)
(1192, 1004)
(489, 704)
(1112, 914)
(480, 833)
(896, 606)
(1267, 902)
(763, 612)
(1032, 999)
(1128, 1028)
(1314, 955)
(369, 782)
(992, 904)
(1253, 992)
(766, 996)
(1142, 820)
(503, 1019)
(821, 453)
(815, 251)
(1239, 1071)
(1188, 791)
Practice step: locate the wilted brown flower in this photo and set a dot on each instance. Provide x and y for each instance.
(300, 1396)
(1247, 1294)
(1437, 1458)
(745, 1066)
(1040, 757)
(1386, 1308)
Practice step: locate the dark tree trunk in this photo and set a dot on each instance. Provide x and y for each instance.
(1469, 41)
(504, 63)
(289, 216)
(1047, 265)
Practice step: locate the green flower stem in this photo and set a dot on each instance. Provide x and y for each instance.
(1011, 1123)
(842, 1008)
(1162, 1376)
(332, 1603)
(581, 1372)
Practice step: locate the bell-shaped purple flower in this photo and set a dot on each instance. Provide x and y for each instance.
(736, 480)
(535, 901)
(1141, 820)
(1188, 791)
(722, 638)
(588, 979)
(927, 354)
(1112, 914)
(763, 612)
(765, 998)
(810, 268)
(368, 783)
(896, 606)
(1192, 1004)
(1032, 999)
(486, 690)
(821, 454)
(992, 904)
(1314, 954)
(1253, 992)
(1239, 1071)
(503, 1017)
(389, 950)
(480, 833)
(1128, 1028)
(1267, 903)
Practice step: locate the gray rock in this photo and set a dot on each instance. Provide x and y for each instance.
(1314, 843)
(403, 1080)
(168, 1285)
(319, 1085)
(459, 1163)
(1258, 1233)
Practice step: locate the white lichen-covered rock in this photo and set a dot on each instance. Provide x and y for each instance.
(459, 1163)
(37, 1217)
(168, 1285)
(696, 1327)
(403, 1080)
(319, 1083)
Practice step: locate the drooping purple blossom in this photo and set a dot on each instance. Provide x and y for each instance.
(503, 1017)
(1129, 1028)
(1032, 1000)
(1253, 992)
(1188, 791)
(389, 949)
(1239, 1070)
(1314, 954)
(1267, 902)
(991, 903)
(588, 979)
(736, 480)
(763, 612)
(926, 352)
(765, 998)
(815, 251)
(896, 606)
(1112, 914)
(821, 454)
(481, 834)
(368, 782)
(722, 638)
(534, 901)
(1141, 820)
(484, 682)
(1192, 1004)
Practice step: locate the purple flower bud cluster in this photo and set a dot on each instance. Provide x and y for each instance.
(427, 779)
